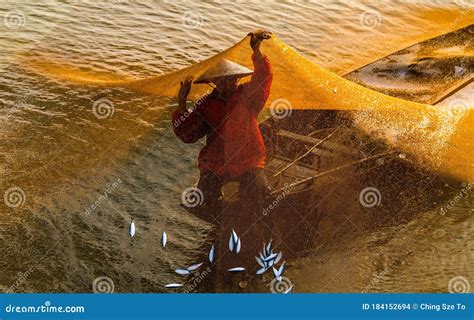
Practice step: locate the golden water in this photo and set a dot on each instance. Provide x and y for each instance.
(64, 157)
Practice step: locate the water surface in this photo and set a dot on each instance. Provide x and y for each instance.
(84, 177)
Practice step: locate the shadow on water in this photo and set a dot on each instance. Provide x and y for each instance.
(326, 216)
(85, 169)
(363, 187)
(84, 177)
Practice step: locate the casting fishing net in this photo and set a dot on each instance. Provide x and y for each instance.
(438, 138)
(363, 210)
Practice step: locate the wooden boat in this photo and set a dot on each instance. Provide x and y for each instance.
(319, 166)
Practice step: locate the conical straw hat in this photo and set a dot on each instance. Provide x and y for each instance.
(224, 68)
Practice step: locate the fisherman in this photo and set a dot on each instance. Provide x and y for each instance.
(227, 117)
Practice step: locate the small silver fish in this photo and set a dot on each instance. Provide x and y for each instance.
(271, 257)
(289, 289)
(459, 70)
(194, 267)
(234, 236)
(173, 285)
(268, 249)
(261, 270)
(278, 273)
(182, 271)
(238, 246)
(231, 244)
(278, 258)
(270, 263)
(211, 254)
(132, 228)
(275, 274)
(259, 261)
(164, 239)
(282, 268)
(236, 269)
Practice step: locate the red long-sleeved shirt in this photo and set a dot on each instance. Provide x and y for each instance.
(234, 142)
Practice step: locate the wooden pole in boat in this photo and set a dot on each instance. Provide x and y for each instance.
(305, 154)
(297, 183)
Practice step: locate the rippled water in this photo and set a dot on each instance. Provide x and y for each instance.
(83, 177)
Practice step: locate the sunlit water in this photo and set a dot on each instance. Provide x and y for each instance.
(84, 177)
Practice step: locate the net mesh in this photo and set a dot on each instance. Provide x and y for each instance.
(436, 137)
